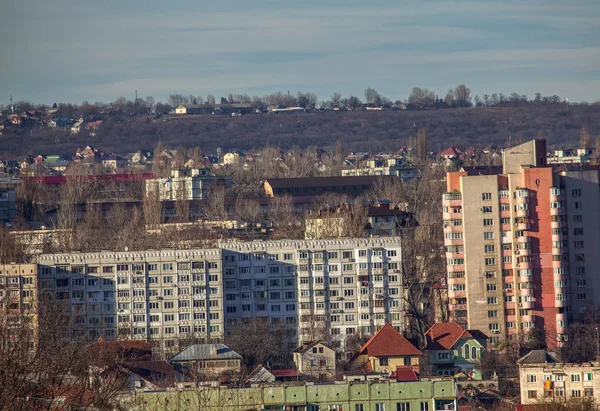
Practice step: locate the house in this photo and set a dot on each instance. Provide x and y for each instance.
(263, 373)
(543, 376)
(386, 350)
(114, 162)
(143, 376)
(233, 157)
(208, 360)
(454, 350)
(315, 359)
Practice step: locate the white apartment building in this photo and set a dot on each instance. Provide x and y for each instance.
(326, 289)
(183, 185)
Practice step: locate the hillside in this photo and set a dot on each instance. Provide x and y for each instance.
(364, 131)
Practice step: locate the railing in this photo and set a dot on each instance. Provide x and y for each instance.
(452, 196)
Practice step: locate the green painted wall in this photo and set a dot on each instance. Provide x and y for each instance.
(320, 396)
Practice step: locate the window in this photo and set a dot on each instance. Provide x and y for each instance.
(474, 353)
(486, 209)
(486, 196)
(490, 261)
(577, 218)
(576, 393)
(575, 377)
(588, 392)
(531, 394)
(490, 287)
(359, 407)
(487, 222)
(383, 361)
(380, 406)
(489, 248)
(424, 406)
(492, 313)
(488, 235)
(577, 205)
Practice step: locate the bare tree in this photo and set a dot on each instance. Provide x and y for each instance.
(462, 96)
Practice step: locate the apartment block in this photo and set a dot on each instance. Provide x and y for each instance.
(184, 184)
(8, 199)
(425, 395)
(543, 377)
(521, 248)
(18, 294)
(321, 289)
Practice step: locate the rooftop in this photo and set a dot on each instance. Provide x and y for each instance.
(387, 342)
(197, 352)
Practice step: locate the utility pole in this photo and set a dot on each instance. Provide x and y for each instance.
(136, 98)
(12, 108)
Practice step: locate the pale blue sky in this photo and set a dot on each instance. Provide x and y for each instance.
(75, 50)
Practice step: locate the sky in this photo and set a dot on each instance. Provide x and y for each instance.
(76, 50)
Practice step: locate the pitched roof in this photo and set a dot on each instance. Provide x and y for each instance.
(308, 345)
(197, 352)
(443, 336)
(387, 342)
(538, 357)
(405, 374)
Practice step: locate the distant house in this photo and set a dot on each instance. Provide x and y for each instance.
(209, 360)
(455, 350)
(93, 125)
(385, 351)
(315, 359)
(262, 373)
(114, 162)
(233, 157)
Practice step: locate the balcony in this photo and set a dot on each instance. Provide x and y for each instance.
(522, 213)
(527, 305)
(458, 307)
(558, 264)
(526, 291)
(453, 281)
(524, 239)
(523, 226)
(454, 196)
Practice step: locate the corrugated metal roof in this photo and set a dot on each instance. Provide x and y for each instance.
(198, 352)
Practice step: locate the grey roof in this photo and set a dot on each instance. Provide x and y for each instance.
(199, 352)
(538, 357)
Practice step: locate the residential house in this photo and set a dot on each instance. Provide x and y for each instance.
(114, 162)
(571, 156)
(315, 359)
(233, 157)
(263, 373)
(454, 350)
(76, 127)
(543, 376)
(385, 351)
(208, 360)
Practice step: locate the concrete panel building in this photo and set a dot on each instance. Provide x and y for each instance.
(518, 254)
(327, 289)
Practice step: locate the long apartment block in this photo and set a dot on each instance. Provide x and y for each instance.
(522, 244)
(314, 288)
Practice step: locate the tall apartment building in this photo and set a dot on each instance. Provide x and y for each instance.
(317, 289)
(522, 244)
(184, 184)
(18, 295)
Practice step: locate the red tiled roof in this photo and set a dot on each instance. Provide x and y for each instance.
(406, 374)
(284, 372)
(443, 336)
(388, 342)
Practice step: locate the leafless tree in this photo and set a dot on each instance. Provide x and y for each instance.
(43, 364)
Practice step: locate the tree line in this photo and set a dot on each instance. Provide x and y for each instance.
(418, 99)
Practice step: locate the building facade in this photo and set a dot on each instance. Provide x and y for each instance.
(327, 289)
(18, 295)
(183, 184)
(8, 199)
(521, 248)
(544, 378)
(433, 395)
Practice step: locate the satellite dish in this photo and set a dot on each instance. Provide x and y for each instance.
(126, 248)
